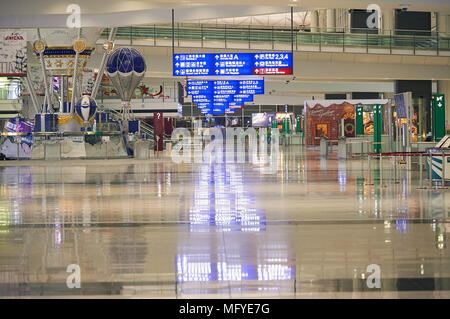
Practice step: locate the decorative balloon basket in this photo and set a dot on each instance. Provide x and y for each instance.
(85, 109)
(126, 68)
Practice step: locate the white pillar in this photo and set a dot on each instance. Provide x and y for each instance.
(443, 23)
(443, 87)
(314, 21)
(331, 20)
(387, 21)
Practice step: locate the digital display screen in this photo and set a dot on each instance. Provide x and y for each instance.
(262, 119)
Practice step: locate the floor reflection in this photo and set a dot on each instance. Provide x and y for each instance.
(223, 202)
(162, 229)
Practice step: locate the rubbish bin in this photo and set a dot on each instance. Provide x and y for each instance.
(323, 146)
(342, 147)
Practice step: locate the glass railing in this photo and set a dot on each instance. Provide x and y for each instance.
(250, 37)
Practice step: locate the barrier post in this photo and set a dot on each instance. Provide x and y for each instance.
(323, 146)
(420, 171)
(370, 171)
(443, 170)
(430, 172)
(381, 169)
(395, 169)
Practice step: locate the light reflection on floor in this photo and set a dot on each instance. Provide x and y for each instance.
(159, 229)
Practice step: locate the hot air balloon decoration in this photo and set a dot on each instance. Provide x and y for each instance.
(85, 108)
(125, 68)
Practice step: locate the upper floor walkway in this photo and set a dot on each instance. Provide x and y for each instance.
(396, 42)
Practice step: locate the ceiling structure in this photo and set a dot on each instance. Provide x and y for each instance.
(280, 20)
(53, 13)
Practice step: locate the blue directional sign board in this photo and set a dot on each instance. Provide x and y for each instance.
(233, 64)
(220, 95)
(202, 105)
(223, 64)
(241, 98)
(206, 110)
(224, 98)
(225, 87)
(202, 98)
(272, 63)
(251, 87)
(199, 87)
(219, 108)
(235, 104)
(272, 60)
(192, 64)
(222, 105)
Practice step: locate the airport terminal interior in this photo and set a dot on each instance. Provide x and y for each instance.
(239, 149)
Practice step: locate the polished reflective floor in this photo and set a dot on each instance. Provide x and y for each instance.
(313, 228)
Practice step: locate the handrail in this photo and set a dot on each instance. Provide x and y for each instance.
(137, 30)
(389, 40)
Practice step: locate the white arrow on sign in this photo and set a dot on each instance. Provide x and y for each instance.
(177, 64)
(256, 63)
(177, 57)
(177, 71)
(256, 56)
(216, 56)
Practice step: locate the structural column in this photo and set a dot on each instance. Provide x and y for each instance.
(331, 20)
(314, 21)
(442, 22)
(443, 87)
(387, 21)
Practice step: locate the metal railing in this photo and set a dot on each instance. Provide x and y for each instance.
(406, 158)
(145, 128)
(251, 37)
